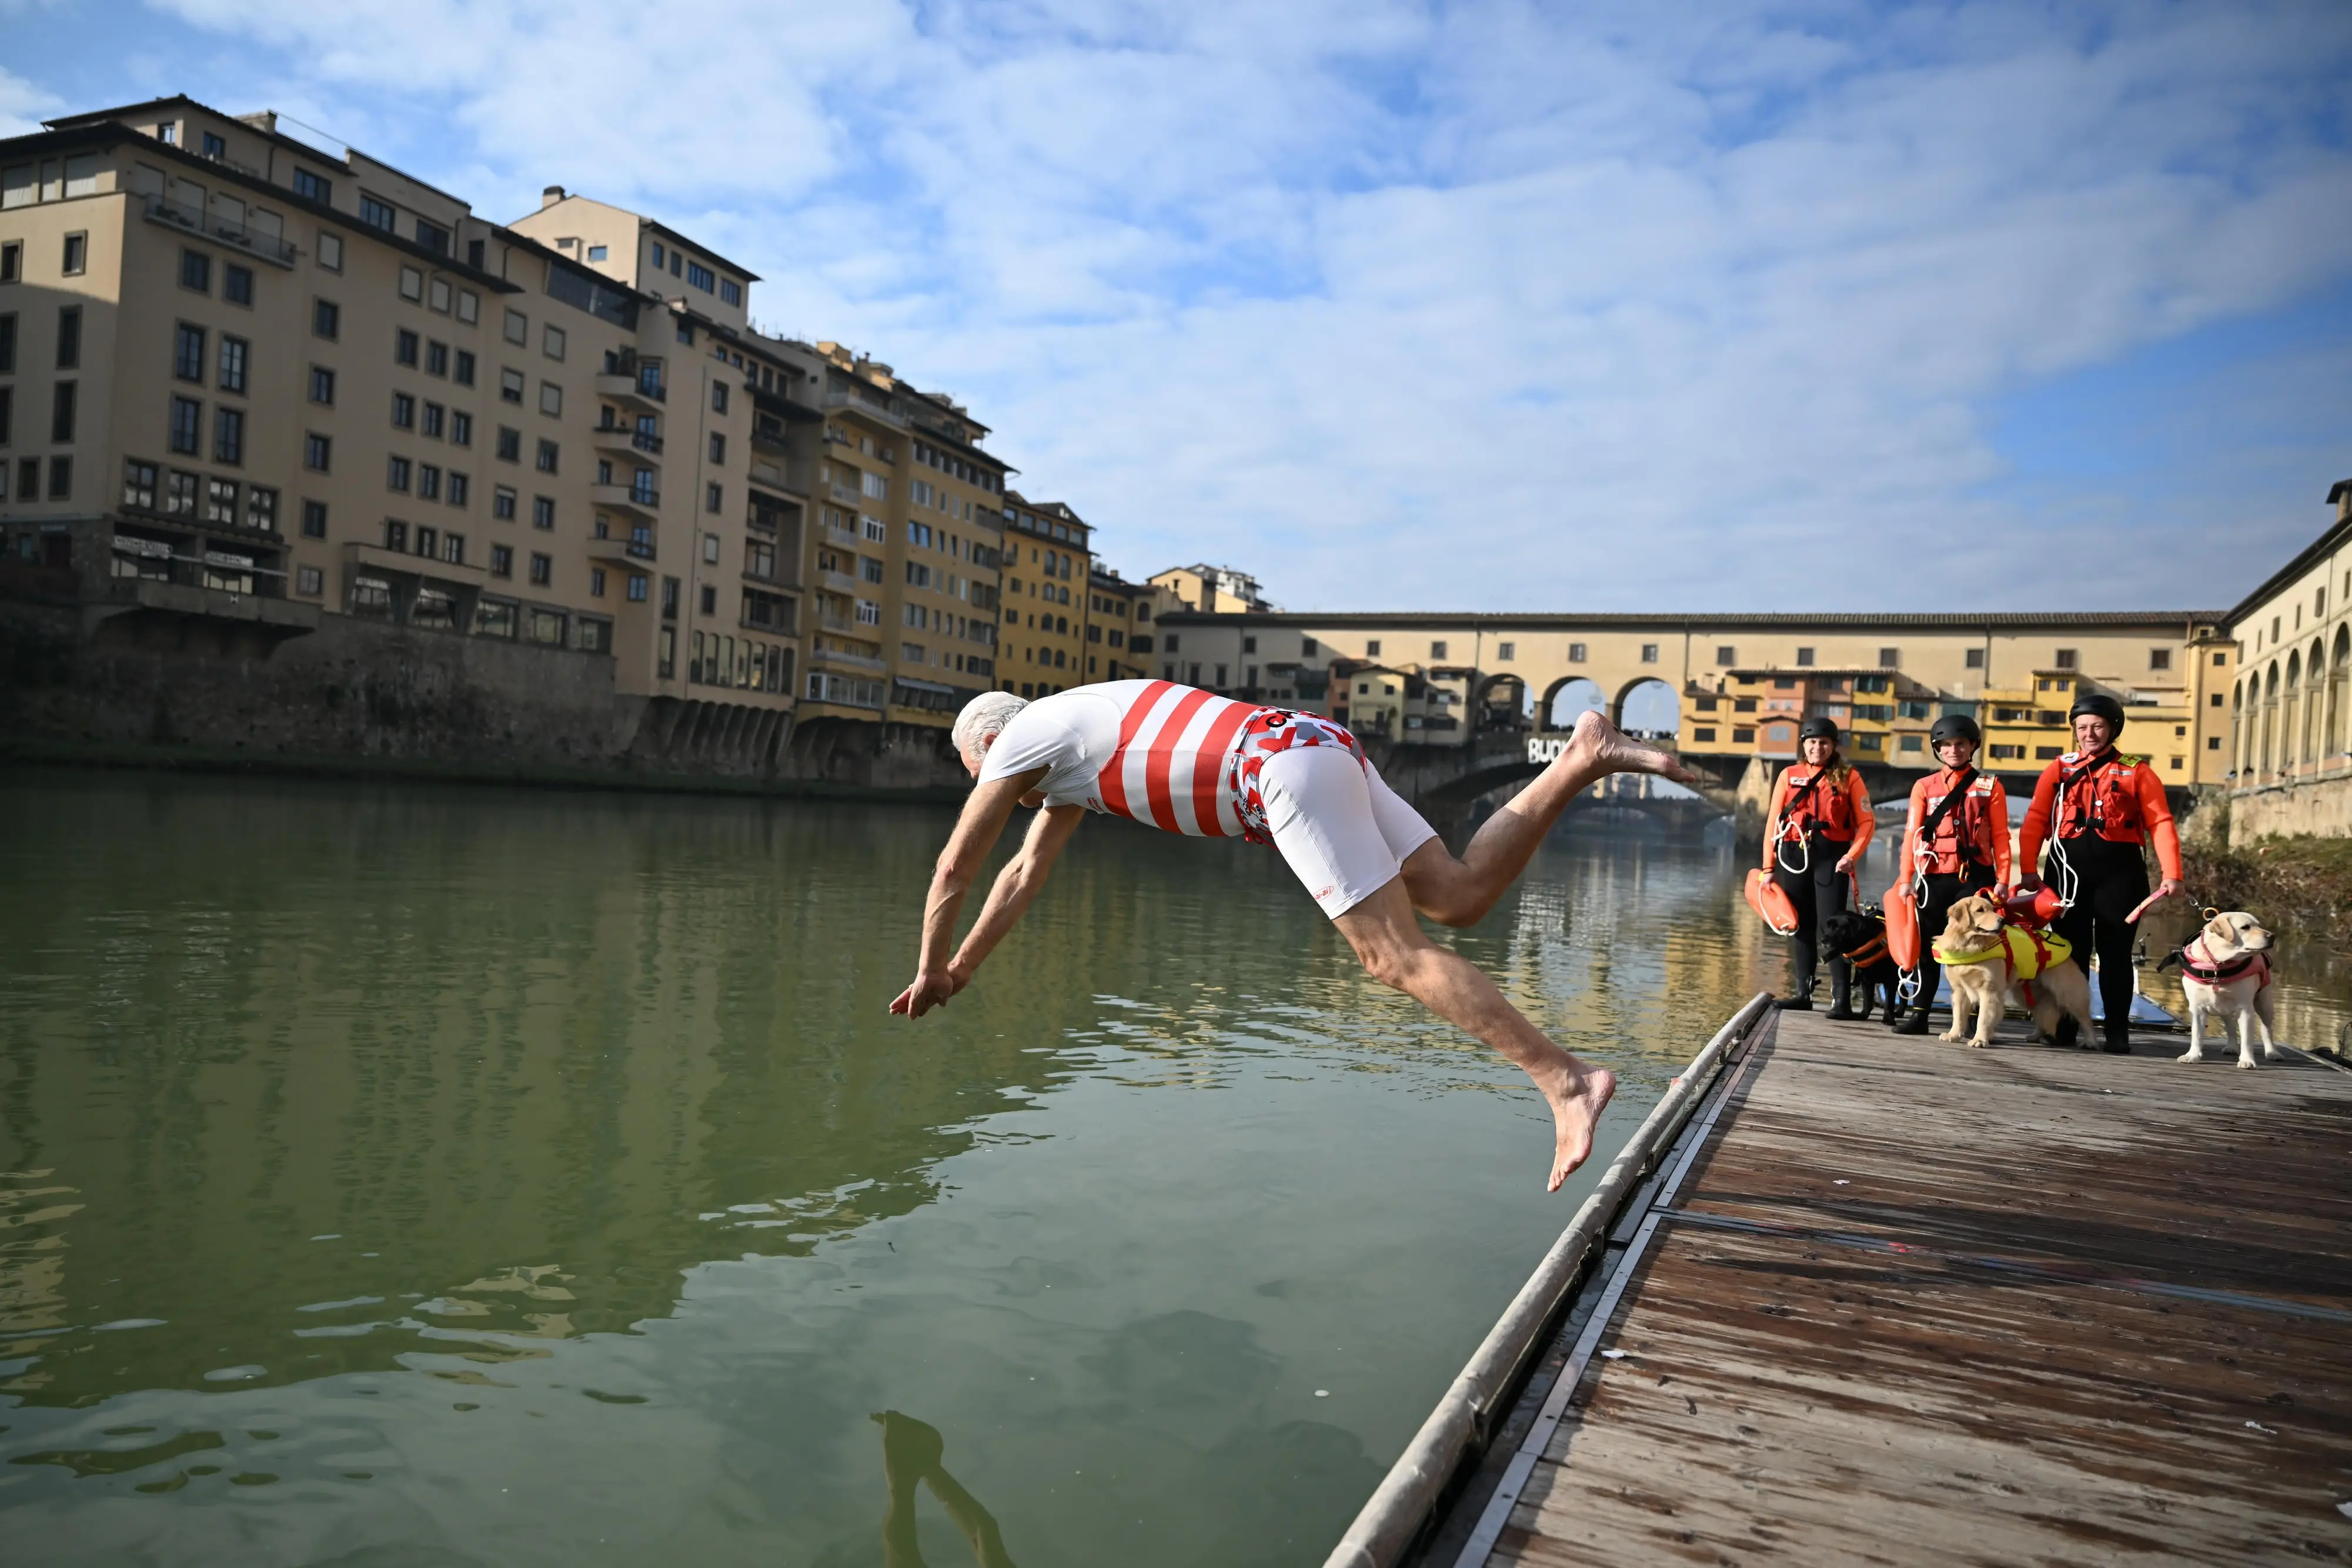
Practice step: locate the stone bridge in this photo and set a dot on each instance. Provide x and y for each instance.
(1443, 782)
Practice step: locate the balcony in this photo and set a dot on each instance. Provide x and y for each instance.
(637, 546)
(638, 500)
(621, 438)
(837, 583)
(835, 659)
(189, 220)
(639, 387)
(845, 494)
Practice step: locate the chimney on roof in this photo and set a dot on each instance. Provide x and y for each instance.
(549, 196)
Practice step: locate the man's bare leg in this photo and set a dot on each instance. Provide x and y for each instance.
(1460, 892)
(1398, 953)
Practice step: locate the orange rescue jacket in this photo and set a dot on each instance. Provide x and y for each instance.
(1976, 829)
(1804, 800)
(2115, 796)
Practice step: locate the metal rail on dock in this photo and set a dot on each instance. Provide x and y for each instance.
(1462, 1425)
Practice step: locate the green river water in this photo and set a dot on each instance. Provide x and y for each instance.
(422, 1177)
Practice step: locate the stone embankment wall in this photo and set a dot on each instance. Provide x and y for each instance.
(360, 695)
(2316, 807)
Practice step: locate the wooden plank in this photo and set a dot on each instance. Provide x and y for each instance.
(2014, 1386)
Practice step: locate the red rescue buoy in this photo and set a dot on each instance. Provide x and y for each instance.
(1902, 926)
(2035, 909)
(1770, 901)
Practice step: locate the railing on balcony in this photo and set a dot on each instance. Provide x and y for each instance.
(641, 544)
(838, 581)
(644, 441)
(845, 493)
(269, 247)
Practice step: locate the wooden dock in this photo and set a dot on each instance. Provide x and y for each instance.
(1890, 1300)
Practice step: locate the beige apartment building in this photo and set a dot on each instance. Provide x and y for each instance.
(2291, 702)
(251, 381)
(1212, 590)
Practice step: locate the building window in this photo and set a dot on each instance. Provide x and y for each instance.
(139, 484)
(8, 343)
(542, 569)
(188, 353)
(1804, 658)
(314, 519)
(1576, 652)
(404, 345)
(236, 283)
(637, 583)
(236, 354)
(731, 291)
(331, 250)
(436, 359)
(502, 503)
(2065, 659)
(710, 599)
(187, 425)
(69, 338)
(310, 582)
(179, 494)
(76, 254)
(700, 277)
(552, 340)
(326, 318)
(433, 237)
(428, 482)
(196, 271)
(436, 421)
(1649, 652)
(509, 444)
(459, 488)
(12, 261)
(220, 500)
(322, 386)
(412, 285)
(543, 511)
(518, 328)
(547, 456)
(510, 385)
(714, 497)
(550, 399)
(396, 473)
(717, 447)
(404, 412)
(1436, 649)
(1973, 658)
(228, 435)
(1371, 647)
(2159, 658)
(501, 560)
(595, 582)
(312, 188)
(463, 373)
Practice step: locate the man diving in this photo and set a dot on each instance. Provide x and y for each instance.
(1188, 761)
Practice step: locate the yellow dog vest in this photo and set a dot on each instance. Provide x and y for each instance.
(2028, 952)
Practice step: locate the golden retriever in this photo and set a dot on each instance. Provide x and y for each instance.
(1983, 986)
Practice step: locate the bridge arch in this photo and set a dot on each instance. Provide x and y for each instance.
(1649, 704)
(1500, 702)
(1570, 697)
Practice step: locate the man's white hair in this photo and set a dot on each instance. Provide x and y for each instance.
(986, 716)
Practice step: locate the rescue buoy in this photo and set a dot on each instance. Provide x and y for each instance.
(1771, 901)
(2036, 909)
(1902, 927)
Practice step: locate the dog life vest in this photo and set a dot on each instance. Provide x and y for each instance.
(2194, 961)
(1973, 832)
(2028, 953)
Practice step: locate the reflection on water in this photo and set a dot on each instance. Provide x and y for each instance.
(440, 1177)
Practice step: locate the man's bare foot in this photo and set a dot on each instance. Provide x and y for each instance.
(1577, 1098)
(1602, 748)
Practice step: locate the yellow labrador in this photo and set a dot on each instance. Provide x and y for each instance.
(2226, 974)
(1991, 961)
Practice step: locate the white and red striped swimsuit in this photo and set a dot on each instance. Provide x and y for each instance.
(1180, 759)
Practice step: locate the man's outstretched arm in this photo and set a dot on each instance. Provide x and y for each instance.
(985, 812)
(1016, 885)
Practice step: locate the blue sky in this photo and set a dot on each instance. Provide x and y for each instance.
(1480, 306)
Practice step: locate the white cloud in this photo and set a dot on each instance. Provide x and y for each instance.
(22, 105)
(1484, 305)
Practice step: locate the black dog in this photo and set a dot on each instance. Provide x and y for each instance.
(1861, 939)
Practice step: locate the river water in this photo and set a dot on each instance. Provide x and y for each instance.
(427, 1176)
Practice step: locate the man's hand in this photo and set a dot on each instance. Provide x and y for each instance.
(929, 991)
(1844, 865)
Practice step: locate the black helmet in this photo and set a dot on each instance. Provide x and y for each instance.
(1956, 726)
(2101, 704)
(1818, 726)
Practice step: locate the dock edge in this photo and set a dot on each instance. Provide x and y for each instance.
(1408, 1496)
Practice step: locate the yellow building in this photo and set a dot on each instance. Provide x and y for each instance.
(1049, 568)
(1118, 626)
(1212, 589)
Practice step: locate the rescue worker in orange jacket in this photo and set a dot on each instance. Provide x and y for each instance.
(1956, 842)
(1818, 825)
(2094, 808)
